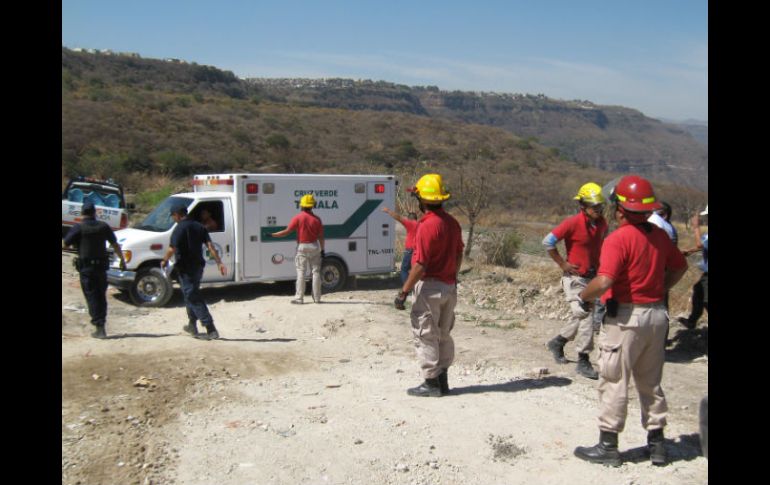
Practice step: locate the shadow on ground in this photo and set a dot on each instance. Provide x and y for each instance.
(687, 345)
(246, 292)
(513, 386)
(687, 448)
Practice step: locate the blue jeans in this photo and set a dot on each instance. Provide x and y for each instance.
(406, 265)
(190, 280)
(93, 282)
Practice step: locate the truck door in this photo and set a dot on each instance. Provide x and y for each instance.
(222, 235)
(251, 245)
(379, 228)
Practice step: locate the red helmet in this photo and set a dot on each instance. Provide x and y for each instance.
(634, 193)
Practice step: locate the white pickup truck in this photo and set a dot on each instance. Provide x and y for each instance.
(107, 197)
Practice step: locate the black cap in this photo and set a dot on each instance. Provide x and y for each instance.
(88, 207)
(179, 209)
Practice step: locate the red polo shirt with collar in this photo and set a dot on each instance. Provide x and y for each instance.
(583, 240)
(438, 243)
(308, 227)
(636, 261)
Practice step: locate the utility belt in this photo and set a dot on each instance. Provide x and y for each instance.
(590, 274)
(613, 305)
(83, 263)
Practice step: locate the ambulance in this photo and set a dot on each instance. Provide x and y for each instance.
(247, 208)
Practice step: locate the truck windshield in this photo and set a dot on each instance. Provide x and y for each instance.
(159, 220)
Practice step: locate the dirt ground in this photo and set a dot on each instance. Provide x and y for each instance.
(316, 394)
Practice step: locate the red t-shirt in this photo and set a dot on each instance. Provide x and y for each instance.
(308, 227)
(438, 243)
(582, 239)
(636, 261)
(411, 230)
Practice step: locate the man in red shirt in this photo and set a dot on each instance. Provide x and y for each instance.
(410, 224)
(639, 264)
(310, 247)
(583, 234)
(438, 254)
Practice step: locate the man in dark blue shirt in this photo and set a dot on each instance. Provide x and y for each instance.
(187, 240)
(90, 236)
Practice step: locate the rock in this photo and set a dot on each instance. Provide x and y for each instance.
(144, 382)
(402, 467)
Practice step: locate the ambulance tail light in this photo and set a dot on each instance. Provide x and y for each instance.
(123, 221)
(379, 188)
(252, 188)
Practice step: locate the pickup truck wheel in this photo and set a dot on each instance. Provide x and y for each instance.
(151, 288)
(333, 275)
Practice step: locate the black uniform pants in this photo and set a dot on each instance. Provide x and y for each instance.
(700, 298)
(93, 282)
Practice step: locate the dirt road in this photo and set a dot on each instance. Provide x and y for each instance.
(315, 394)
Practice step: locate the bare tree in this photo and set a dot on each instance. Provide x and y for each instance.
(472, 199)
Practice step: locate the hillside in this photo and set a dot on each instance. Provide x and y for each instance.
(149, 122)
(610, 138)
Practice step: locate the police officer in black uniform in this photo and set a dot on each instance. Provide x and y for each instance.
(90, 236)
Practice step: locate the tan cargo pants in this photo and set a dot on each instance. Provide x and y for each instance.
(308, 255)
(632, 344)
(580, 328)
(433, 317)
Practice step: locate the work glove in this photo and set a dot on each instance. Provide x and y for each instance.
(399, 301)
(122, 265)
(323, 254)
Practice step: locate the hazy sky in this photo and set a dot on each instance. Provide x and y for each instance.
(651, 55)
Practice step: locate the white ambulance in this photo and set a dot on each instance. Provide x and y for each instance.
(247, 208)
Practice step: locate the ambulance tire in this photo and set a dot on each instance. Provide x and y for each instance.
(334, 274)
(150, 288)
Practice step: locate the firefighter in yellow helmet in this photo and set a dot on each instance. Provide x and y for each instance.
(310, 247)
(437, 256)
(582, 234)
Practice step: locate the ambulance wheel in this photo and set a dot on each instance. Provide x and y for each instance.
(333, 275)
(150, 288)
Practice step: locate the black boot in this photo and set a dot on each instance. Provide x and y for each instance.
(99, 332)
(584, 367)
(443, 380)
(191, 328)
(211, 333)
(657, 448)
(605, 452)
(556, 346)
(429, 388)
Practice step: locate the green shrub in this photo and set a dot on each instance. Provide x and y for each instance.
(173, 163)
(152, 198)
(502, 248)
(277, 140)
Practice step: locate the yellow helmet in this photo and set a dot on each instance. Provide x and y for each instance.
(307, 201)
(430, 188)
(590, 193)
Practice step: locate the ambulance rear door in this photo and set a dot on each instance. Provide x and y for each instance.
(380, 228)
